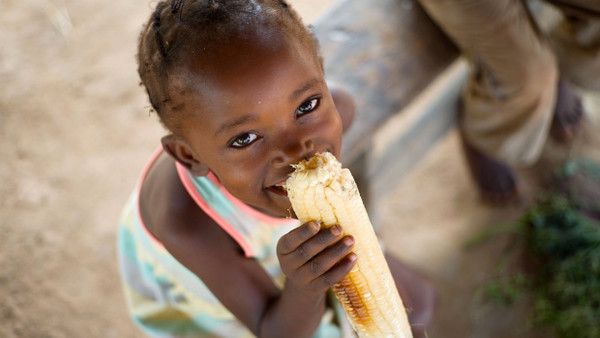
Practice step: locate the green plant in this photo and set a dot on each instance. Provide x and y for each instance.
(562, 242)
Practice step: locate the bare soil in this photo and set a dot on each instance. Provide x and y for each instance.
(75, 131)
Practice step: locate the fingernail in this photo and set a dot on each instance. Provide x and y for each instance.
(315, 226)
(336, 230)
(348, 240)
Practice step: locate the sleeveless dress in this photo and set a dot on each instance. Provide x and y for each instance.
(165, 299)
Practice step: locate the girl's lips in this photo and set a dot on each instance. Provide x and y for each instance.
(278, 189)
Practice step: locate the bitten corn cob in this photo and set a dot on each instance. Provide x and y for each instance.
(320, 190)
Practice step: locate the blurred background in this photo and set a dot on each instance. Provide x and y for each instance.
(75, 132)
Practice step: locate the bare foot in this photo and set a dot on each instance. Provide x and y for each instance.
(417, 293)
(496, 182)
(568, 113)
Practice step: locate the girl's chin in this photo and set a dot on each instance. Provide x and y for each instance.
(285, 213)
(281, 211)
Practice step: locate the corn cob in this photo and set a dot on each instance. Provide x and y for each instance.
(320, 190)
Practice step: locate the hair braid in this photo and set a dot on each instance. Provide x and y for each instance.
(159, 40)
(176, 5)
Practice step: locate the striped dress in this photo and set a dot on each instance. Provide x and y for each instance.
(165, 299)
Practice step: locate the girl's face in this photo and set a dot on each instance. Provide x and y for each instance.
(256, 107)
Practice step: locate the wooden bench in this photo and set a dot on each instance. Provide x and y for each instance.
(388, 53)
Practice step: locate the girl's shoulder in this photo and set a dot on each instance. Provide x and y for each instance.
(170, 214)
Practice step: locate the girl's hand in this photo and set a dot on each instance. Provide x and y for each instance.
(314, 259)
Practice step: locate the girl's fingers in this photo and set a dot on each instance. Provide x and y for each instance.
(293, 239)
(314, 245)
(327, 259)
(335, 274)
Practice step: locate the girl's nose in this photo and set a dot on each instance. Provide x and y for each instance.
(292, 151)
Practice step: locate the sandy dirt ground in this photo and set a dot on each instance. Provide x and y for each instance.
(75, 131)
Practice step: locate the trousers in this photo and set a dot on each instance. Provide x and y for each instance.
(510, 96)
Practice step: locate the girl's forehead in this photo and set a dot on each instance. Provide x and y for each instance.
(254, 64)
(243, 48)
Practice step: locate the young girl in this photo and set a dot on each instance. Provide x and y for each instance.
(207, 244)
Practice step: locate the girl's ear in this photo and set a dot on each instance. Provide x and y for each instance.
(182, 153)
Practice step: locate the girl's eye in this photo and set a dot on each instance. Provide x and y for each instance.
(307, 106)
(243, 140)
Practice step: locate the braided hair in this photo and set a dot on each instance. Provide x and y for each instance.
(177, 28)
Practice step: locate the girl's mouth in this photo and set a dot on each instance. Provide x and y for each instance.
(278, 189)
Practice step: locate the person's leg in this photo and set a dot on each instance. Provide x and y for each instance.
(510, 97)
(495, 179)
(576, 42)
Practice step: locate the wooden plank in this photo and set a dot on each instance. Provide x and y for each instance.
(384, 52)
(406, 138)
